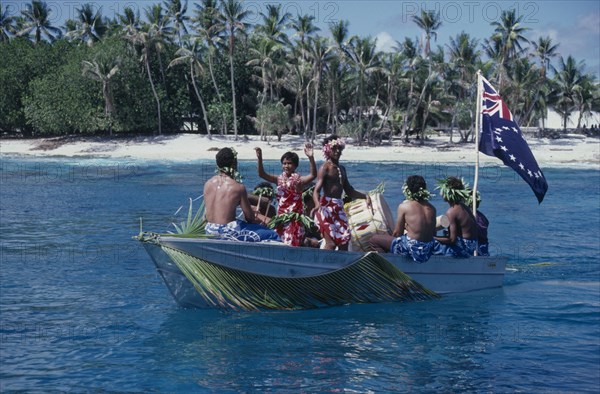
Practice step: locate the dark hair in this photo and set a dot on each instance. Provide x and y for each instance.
(263, 185)
(332, 137)
(226, 158)
(455, 183)
(415, 183)
(293, 157)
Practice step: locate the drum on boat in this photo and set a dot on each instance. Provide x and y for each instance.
(364, 223)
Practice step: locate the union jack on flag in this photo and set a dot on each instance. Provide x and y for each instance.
(500, 136)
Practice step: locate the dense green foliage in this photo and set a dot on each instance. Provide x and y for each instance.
(175, 65)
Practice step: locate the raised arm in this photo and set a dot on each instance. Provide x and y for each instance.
(261, 169)
(308, 150)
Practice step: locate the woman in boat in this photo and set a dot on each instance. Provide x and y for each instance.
(290, 221)
(482, 225)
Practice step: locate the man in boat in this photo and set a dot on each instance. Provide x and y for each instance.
(461, 240)
(329, 209)
(482, 225)
(223, 193)
(415, 226)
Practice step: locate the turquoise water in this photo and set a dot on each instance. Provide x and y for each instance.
(82, 308)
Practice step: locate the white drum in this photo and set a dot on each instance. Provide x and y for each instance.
(364, 223)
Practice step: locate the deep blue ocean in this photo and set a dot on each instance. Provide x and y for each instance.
(83, 309)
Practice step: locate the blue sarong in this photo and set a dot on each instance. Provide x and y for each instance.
(419, 251)
(461, 248)
(239, 230)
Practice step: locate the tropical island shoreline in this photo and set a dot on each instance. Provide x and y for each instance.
(573, 150)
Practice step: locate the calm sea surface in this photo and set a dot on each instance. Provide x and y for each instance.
(83, 309)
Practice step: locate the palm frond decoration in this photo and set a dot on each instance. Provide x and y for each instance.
(379, 189)
(194, 224)
(370, 279)
(284, 218)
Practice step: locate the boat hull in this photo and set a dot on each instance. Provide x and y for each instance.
(440, 274)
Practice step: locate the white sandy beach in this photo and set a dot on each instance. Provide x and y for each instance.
(572, 151)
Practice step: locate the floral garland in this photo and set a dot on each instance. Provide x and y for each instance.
(469, 200)
(329, 146)
(308, 192)
(267, 192)
(419, 195)
(291, 216)
(451, 194)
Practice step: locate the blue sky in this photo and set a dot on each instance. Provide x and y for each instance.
(574, 25)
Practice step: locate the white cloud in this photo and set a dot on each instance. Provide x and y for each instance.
(385, 42)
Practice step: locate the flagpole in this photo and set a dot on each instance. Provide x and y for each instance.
(477, 132)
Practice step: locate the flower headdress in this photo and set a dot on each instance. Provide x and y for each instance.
(420, 195)
(452, 194)
(469, 201)
(329, 146)
(231, 172)
(266, 191)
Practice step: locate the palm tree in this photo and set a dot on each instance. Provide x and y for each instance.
(508, 35)
(319, 56)
(365, 59)
(144, 40)
(429, 21)
(232, 16)
(160, 29)
(409, 50)
(190, 56)
(569, 79)
(130, 21)
(587, 98)
(274, 24)
(264, 56)
(337, 67)
(7, 24)
(36, 20)
(544, 51)
(89, 26)
(104, 70)
(304, 27)
(177, 12)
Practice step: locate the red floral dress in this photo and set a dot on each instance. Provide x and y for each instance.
(289, 198)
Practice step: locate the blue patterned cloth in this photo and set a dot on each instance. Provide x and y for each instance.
(419, 251)
(461, 248)
(239, 230)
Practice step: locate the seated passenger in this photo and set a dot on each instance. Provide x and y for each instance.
(223, 193)
(482, 225)
(261, 200)
(415, 226)
(461, 240)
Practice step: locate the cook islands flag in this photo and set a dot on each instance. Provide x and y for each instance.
(500, 136)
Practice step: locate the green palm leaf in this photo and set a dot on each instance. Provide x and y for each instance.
(370, 279)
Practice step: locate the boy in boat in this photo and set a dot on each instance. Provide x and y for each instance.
(290, 220)
(461, 240)
(329, 209)
(415, 226)
(261, 200)
(223, 193)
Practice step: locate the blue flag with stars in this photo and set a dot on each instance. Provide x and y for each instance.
(501, 137)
